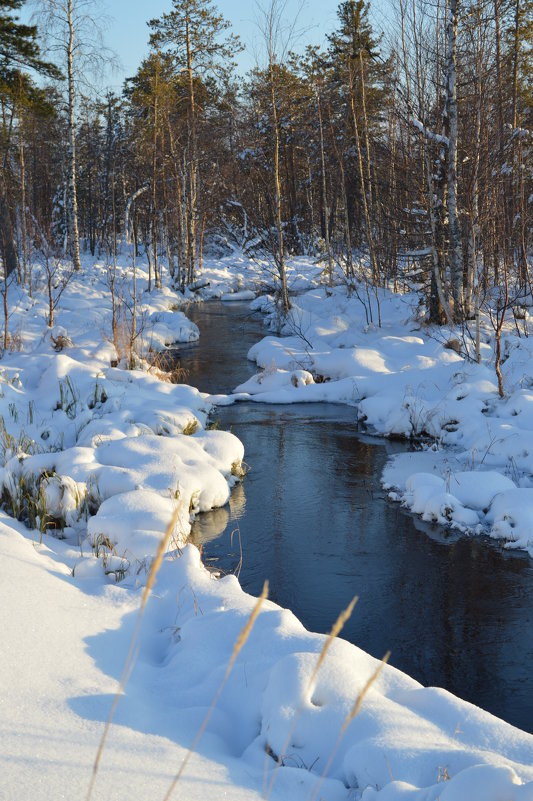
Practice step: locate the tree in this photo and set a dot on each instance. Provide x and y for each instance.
(149, 93)
(73, 32)
(18, 50)
(451, 129)
(355, 56)
(191, 34)
(362, 78)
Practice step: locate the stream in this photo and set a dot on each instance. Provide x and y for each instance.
(312, 518)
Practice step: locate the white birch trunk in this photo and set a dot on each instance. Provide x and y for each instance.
(73, 199)
(127, 227)
(473, 233)
(454, 228)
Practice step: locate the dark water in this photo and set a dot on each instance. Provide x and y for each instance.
(311, 517)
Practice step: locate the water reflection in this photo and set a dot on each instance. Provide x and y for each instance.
(208, 527)
(455, 612)
(217, 363)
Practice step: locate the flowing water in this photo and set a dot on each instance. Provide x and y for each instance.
(311, 517)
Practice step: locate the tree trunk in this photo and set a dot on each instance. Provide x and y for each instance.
(193, 164)
(6, 308)
(368, 224)
(285, 305)
(455, 249)
(155, 226)
(324, 187)
(7, 240)
(473, 230)
(73, 216)
(23, 222)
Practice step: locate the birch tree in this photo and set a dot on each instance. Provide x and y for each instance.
(276, 49)
(455, 247)
(73, 34)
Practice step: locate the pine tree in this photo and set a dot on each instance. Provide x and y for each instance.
(354, 51)
(18, 46)
(191, 34)
(18, 50)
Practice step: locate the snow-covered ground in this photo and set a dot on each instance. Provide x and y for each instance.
(98, 458)
(475, 471)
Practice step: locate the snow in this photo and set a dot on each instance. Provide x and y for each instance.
(244, 294)
(443, 140)
(97, 458)
(407, 384)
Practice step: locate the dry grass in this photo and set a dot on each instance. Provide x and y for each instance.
(12, 446)
(347, 720)
(241, 639)
(237, 531)
(15, 343)
(167, 367)
(124, 339)
(191, 427)
(61, 342)
(335, 631)
(156, 564)
(238, 469)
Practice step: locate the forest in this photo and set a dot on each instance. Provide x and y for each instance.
(266, 403)
(408, 159)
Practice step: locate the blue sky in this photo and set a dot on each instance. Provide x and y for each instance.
(127, 32)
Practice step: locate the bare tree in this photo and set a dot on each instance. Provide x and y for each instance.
(278, 35)
(73, 32)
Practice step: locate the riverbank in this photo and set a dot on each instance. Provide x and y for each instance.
(112, 452)
(333, 533)
(474, 471)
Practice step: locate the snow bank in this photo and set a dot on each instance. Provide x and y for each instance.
(95, 451)
(407, 384)
(85, 439)
(243, 294)
(406, 742)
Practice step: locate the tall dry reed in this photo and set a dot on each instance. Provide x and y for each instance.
(154, 569)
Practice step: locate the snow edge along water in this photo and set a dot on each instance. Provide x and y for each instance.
(113, 434)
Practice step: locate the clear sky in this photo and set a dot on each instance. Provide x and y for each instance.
(127, 32)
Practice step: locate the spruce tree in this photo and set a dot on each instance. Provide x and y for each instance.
(18, 45)
(18, 50)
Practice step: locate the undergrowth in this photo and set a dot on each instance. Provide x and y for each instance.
(167, 367)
